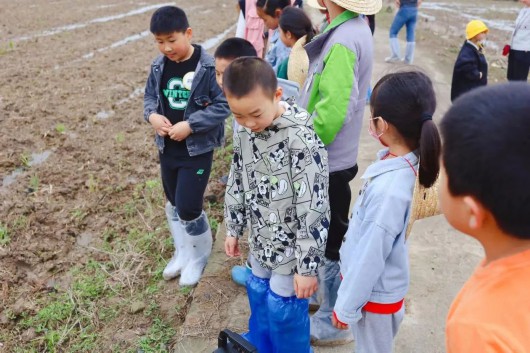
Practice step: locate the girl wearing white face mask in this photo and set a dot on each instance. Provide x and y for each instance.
(374, 257)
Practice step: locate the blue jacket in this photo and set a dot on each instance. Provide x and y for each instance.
(374, 255)
(207, 107)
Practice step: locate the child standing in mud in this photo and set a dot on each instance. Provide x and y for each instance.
(187, 110)
(278, 180)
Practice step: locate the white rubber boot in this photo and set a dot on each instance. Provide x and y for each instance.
(409, 52)
(198, 246)
(395, 51)
(179, 259)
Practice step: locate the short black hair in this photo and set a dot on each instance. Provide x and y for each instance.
(169, 19)
(246, 74)
(233, 48)
(486, 152)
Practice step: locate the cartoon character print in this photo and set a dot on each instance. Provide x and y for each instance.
(236, 214)
(311, 261)
(256, 155)
(266, 252)
(237, 185)
(319, 229)
(280, 187)
(319, 199)
(256, 216)
(301, 115)
(263, 195)
(318, 158)
(237, 160)
(278, 156)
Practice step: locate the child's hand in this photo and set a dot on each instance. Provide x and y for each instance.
(305, 286)
(180, 131)
(232, 246)
(160, 123)
(335, 322)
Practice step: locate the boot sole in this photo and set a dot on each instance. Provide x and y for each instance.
(319, 343)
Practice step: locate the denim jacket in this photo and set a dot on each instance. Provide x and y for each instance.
(207, 107)
(374, 255)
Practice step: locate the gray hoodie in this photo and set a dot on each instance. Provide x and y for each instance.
(279, 180)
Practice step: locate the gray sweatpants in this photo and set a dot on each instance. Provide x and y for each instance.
(375, 333)
(280, 284)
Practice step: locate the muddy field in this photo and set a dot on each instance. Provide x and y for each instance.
(82, 234)
(82, 237)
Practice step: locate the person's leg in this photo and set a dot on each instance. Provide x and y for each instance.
(193, 179)
(322, 331)
(339, 204)
(397, 24)
(169, 173)
(412, 16)
(257, 292)
(288, 317)
(375, 333)
(518, 65)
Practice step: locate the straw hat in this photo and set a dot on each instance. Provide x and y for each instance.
(364, 7)
(424, 203)
(314, 4)
(298, 64)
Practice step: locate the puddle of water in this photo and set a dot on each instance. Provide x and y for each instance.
(212, 42)
(102, 115)
(10, 179)
(119, 43)
(36, 159)
(84, 239)
(74, 26)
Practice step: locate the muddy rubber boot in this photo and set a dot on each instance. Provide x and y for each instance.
(395, 51)
(198, 246)
(289, 324)
(409, 52)
(180, 258)
(323, 333)
(258, 323)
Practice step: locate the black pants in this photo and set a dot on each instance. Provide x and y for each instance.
(518, 65)
(185, 179)
(339, 204)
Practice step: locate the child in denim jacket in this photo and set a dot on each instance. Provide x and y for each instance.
(187, 109)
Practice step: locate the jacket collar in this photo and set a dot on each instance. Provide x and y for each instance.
(314, 47)
(388, 165)
(340, 19)
(205, 60)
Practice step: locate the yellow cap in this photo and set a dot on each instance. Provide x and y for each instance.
(474, 28)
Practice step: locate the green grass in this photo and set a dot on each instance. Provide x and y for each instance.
(60, 128)
(124, 266)
(4, 235)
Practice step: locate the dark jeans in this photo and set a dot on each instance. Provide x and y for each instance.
(518, 65)
(339, 204)
(185, 179)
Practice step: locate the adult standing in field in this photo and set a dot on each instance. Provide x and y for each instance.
(407, 15)
(519, 56)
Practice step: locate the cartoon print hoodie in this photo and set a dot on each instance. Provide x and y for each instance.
(279, 180)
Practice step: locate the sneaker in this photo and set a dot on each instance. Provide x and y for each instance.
(240, 274)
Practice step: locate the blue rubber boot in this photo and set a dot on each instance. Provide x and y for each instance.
(240, 274)
(258, 323)
(289, 324)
